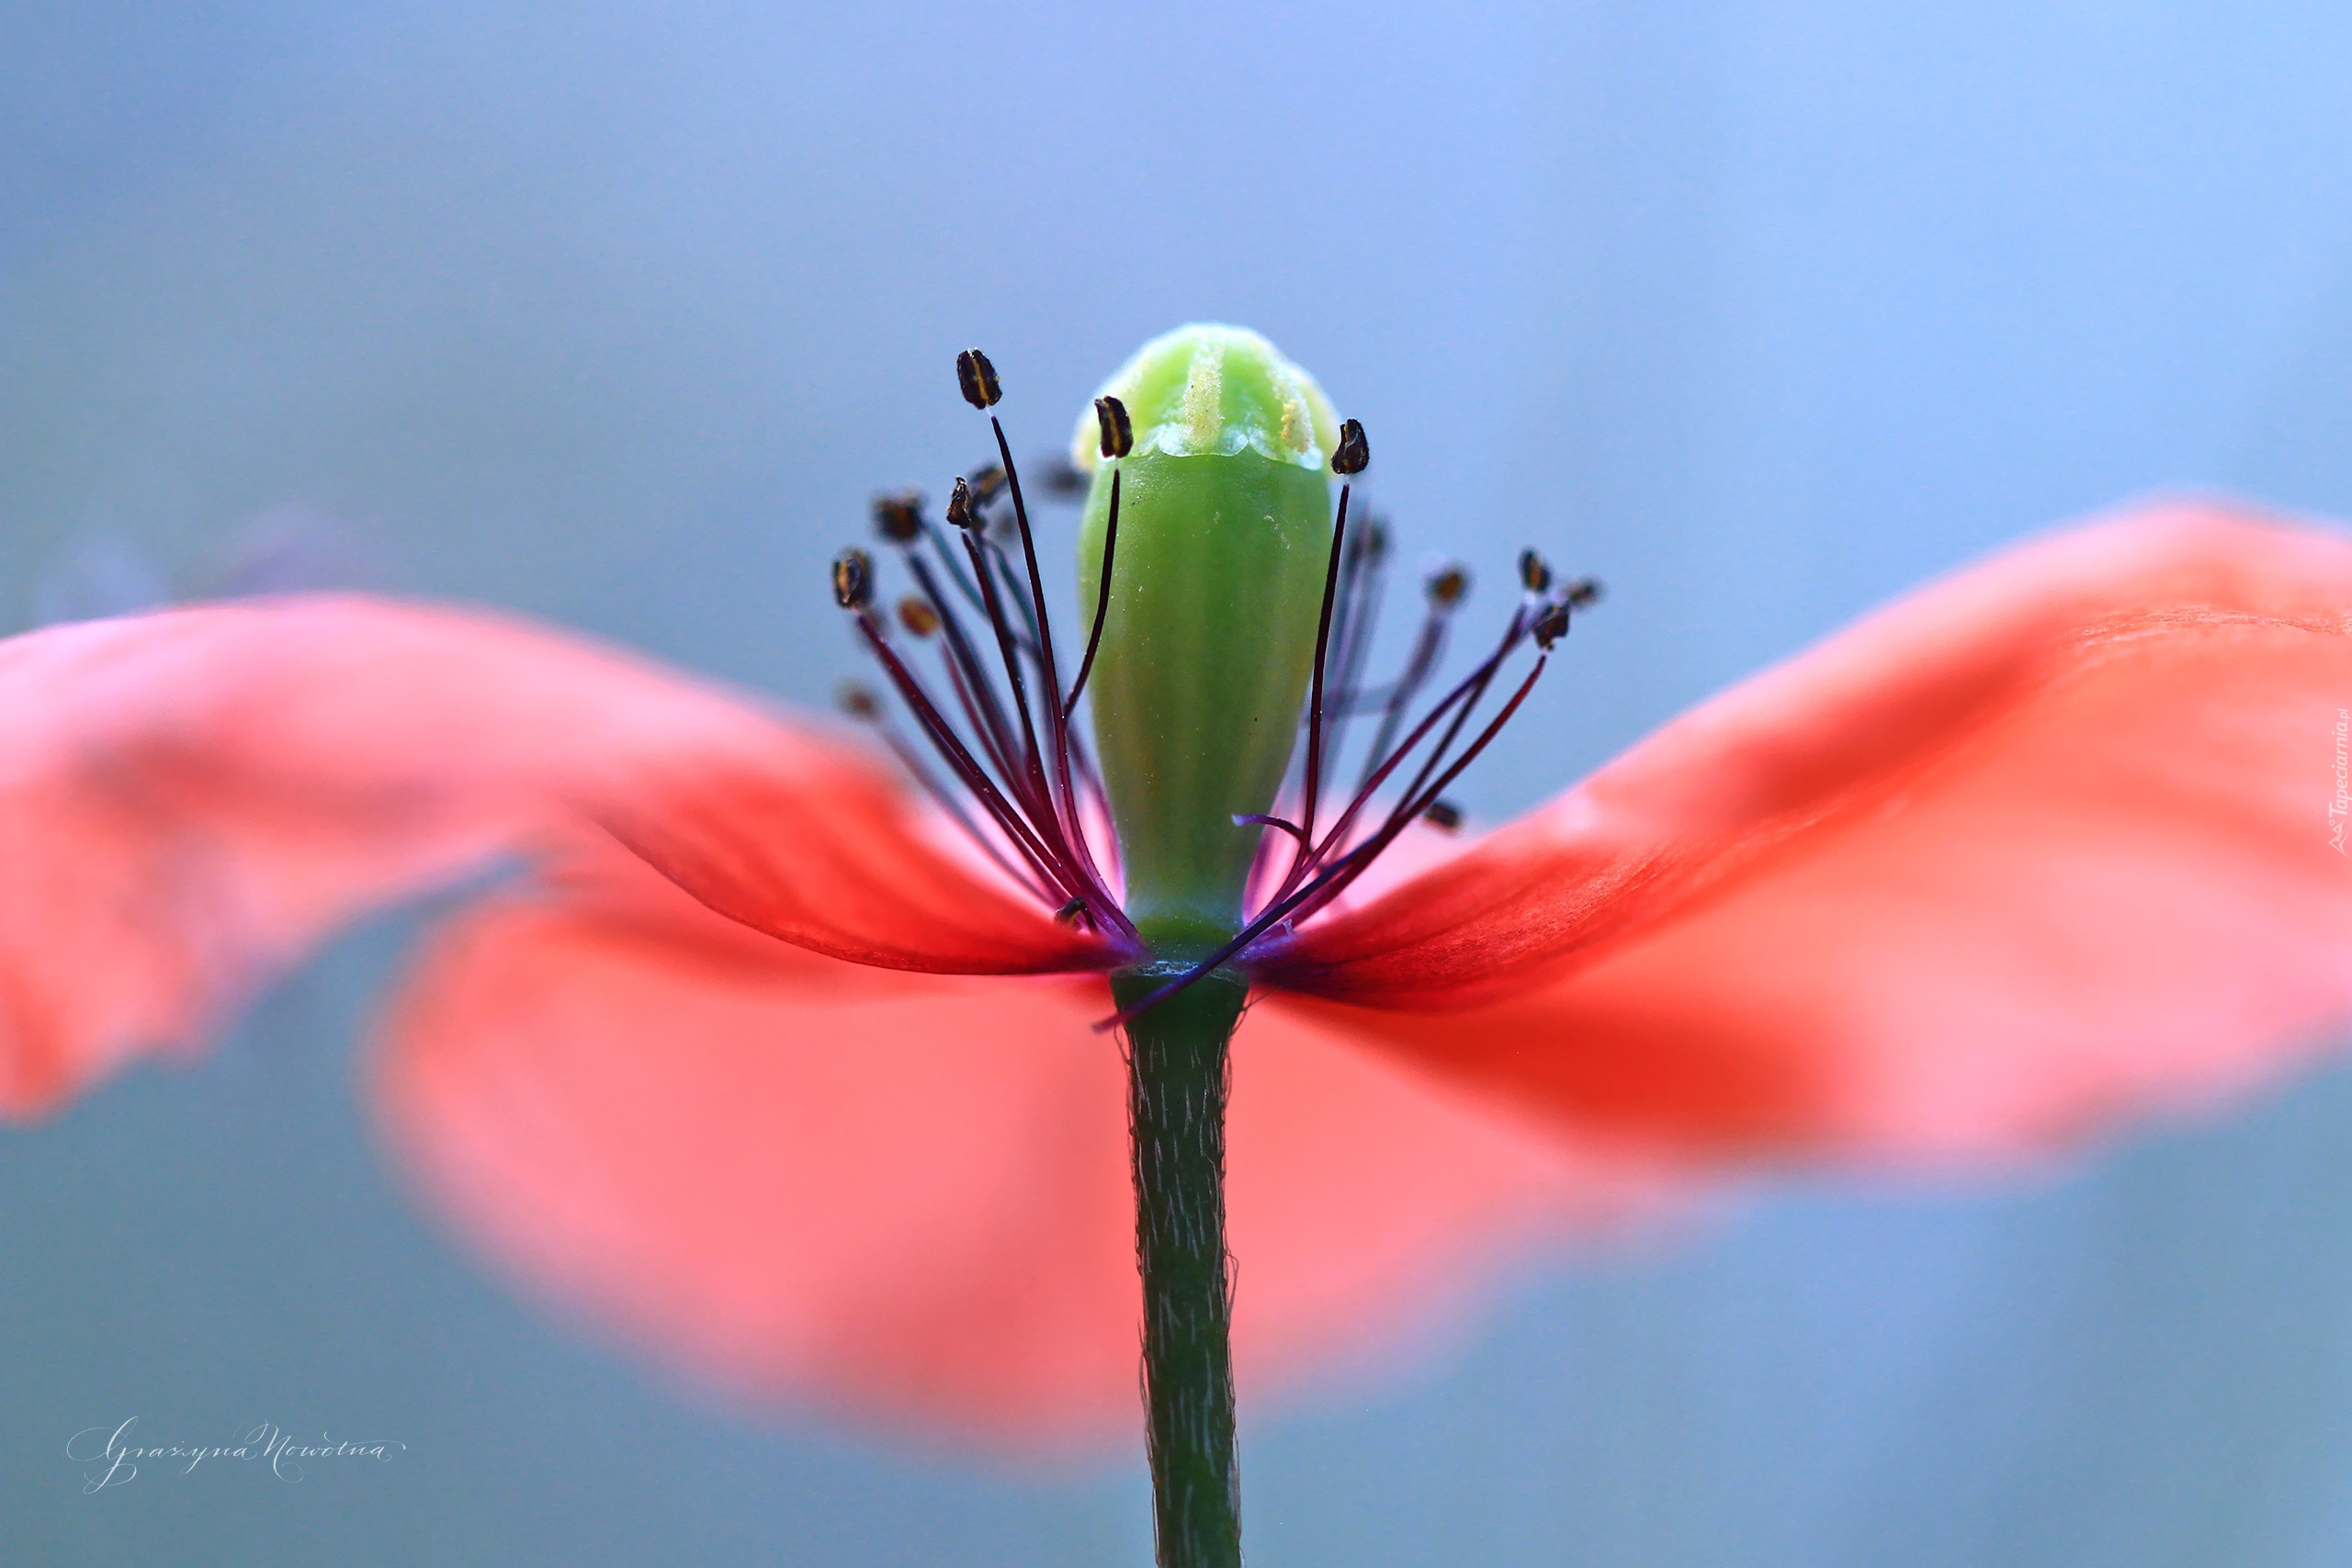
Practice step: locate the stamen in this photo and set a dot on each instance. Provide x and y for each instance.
(853, 580)
(1118, 431)
(1442, 814)
(977, 377)
(1534, 571)
(959, 506)
(897, 515)
(917, 616)
(1102, 593)
(1352, 454)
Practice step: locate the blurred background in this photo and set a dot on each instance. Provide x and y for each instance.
(617, 313)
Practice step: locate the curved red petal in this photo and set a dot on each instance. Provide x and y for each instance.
(810, 846)
(903, 1196)
(2060, 836)
(189, 798)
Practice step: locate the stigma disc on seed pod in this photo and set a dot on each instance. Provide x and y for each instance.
(1207, 389)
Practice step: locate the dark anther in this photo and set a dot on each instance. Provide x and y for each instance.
(1072, 912)
(1534, 571)
(1551, 625)
(1354, 452)
(1584, 591)
(1446, 585)
(1118, 435)
(988, 483)
(917, 616)
(858, 700)
(977, 377)
(897, 515)
(853, 580)
(1443, 814)
(1063, 482)
(960, 510)
(1375, 541)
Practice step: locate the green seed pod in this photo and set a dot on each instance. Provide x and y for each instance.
(1224, 538)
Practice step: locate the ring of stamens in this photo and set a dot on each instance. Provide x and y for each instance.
(1009, 740)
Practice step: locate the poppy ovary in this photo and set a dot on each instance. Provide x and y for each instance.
(1209, 625)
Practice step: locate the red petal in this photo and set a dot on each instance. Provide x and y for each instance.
(2060, 836)
(904, 1195)
(812, 848)
(189, 798)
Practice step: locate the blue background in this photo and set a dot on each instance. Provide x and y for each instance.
(617, 313)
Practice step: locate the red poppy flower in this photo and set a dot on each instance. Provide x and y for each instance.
(2056, 842)
(899, 1195)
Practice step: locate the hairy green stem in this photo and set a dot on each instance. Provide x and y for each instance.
(1177, 1081)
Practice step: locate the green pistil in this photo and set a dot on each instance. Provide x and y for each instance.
(1225, 536)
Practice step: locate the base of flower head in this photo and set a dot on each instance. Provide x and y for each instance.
(1022, 780)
